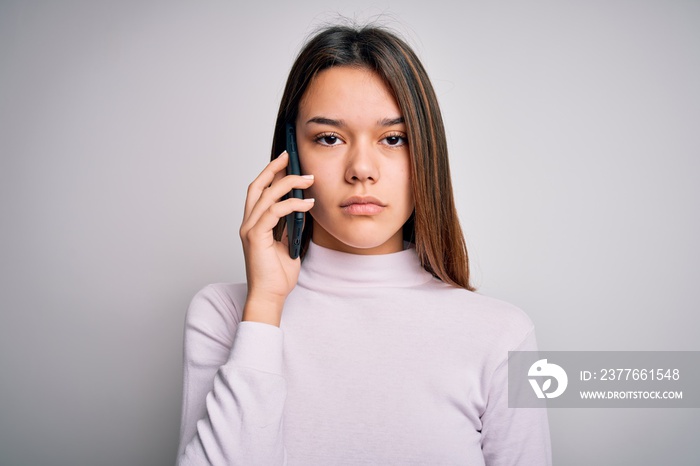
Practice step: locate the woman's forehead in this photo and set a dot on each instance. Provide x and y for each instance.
(347, 94)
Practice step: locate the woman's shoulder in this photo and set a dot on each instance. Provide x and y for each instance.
(216, 308)
(499, 311)
(494, 318)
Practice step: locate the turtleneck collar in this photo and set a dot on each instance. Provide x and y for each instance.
(324, 268)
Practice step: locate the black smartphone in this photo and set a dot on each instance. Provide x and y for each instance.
(295, 220)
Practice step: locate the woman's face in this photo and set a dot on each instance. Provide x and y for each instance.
(352, 138)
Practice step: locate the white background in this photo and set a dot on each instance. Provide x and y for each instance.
(130, 130)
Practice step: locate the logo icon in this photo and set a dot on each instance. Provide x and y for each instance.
(544, 369)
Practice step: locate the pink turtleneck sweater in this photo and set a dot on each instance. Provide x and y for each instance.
(375, 362)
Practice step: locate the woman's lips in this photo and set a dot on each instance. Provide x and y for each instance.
(363, 209)
(362, 205)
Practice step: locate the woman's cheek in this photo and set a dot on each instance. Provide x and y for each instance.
(320, 185)
(313, 190)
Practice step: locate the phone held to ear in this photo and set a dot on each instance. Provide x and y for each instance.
(295, 220)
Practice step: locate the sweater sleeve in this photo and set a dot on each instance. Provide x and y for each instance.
(233, 388)
(514, 436)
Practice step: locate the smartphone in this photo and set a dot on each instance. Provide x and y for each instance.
(295, 220)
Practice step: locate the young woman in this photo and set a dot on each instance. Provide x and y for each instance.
(371, 349)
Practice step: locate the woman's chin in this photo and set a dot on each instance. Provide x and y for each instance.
(361, 244)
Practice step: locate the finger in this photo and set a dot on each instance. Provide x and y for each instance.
(268, 219)
(273, 214)
(278, 176)
(276, 191)
(263, 180)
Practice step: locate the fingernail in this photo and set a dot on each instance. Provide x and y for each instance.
(309, 199)
(308, 177)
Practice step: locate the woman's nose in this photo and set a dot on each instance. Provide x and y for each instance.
(362, 164)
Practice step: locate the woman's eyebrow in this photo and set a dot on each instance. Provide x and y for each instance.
(340, 123)
(391, 121)
(326, 121)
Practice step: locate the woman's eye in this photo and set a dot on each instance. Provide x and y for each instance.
(395, 140)
(328, 140)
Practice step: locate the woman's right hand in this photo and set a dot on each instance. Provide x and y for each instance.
(270, 272)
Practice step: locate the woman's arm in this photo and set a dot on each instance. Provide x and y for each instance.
(514, 436)
(234, 391)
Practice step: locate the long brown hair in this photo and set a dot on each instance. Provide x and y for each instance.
(433, 227)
